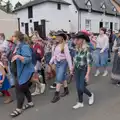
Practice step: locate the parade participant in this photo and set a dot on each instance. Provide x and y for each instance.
(5, 48)
(82, 68)
(4, 84)
(115, 75)
(61, 57)
(25, 69)
(101, 52)
(39, 51)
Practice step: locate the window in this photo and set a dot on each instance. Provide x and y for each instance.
(114, 9)
(22, 24)
(88, 24)
(89, 5)
(103, 7)
(30, 12)
(116, 26)
(107, 25)
(59, 6)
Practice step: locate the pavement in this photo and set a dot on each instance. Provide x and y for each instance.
(106, 106)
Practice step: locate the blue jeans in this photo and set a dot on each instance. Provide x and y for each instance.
(61, 71)
(100, 59)
(81, 84)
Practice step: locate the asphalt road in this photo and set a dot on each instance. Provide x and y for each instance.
(106, 107)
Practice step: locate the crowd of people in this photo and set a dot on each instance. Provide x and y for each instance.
(27, 61)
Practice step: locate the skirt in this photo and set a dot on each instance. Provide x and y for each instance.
(115, 75)
(6, 85)
(61, 71)
(100, 59)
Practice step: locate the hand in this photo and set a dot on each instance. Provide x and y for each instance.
(116, 48)
(1, 81)
(87, 78)
(71, 72)
(39, 51)
(101, 51)
(15, 58)
(118, 53)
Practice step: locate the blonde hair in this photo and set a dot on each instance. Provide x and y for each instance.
(84, 47)
(62, 46)
(36, 36)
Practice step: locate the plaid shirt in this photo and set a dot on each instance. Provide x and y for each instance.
(82, 59)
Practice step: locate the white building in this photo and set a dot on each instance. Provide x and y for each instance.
(8, 23)
(44, 15)
(70, 15)
(93, 14)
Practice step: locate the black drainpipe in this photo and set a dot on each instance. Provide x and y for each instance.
(19, 24)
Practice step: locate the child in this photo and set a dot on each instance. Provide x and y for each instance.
(4, 84)
(61, 57)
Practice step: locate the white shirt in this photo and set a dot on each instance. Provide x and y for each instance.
(102, 42)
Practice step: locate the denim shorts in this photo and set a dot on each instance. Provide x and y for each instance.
(100, 59)
(61, 71)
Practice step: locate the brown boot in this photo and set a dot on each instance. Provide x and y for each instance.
(8, 100)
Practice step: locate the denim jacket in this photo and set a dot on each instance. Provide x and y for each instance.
(25, 69)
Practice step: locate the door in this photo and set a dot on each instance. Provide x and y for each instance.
(35, 26)
(111, 26)
(100, 24)
(27, 29)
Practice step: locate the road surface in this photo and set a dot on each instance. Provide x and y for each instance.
(106, 107)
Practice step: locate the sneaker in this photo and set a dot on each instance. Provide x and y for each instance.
(42, 88)
(53, 86)
(35, 93)
(91, 99)
(105, 73)
(97, 73)
(78, 105)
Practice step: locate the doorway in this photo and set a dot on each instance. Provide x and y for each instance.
(111, 26)
(27, 29)
(100, 24)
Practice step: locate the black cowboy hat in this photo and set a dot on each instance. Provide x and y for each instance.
(62, 34)
(82, 36)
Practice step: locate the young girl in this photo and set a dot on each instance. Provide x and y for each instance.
(82, 67)
(4, 84)
(61, 57)
(39, 52)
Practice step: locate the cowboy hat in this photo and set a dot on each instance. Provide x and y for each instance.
(81, 35)
(62, 34)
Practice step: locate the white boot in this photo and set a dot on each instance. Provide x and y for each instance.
(42, 88)
(91, 99)
(105, 73)
(37, 91)
(97, 73)
(78, 105)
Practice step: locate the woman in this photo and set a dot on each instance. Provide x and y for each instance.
(101, 52)
(25, 69)
(61, 57)
(116, 63)
(82, 67)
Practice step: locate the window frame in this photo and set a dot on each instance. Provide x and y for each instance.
(30, 12)
(116, 26)
(88, 25)
(107, 25)
(59, 6)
